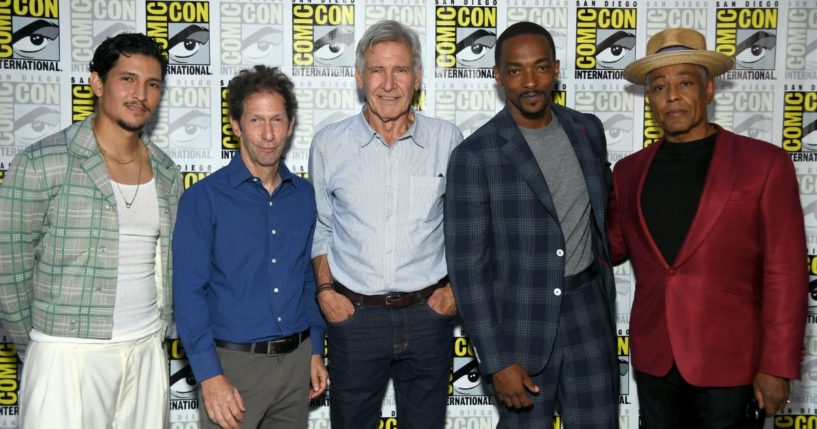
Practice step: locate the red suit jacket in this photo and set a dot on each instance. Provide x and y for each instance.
(734, 301)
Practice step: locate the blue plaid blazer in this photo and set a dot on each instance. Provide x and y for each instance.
(502, 235)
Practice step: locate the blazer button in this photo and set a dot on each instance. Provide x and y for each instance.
(557, 291)
(560, 253)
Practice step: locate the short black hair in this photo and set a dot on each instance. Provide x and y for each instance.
(107, 53)
(519, 29)
(260, 78)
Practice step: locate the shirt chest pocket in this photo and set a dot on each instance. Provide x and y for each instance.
(425, 198)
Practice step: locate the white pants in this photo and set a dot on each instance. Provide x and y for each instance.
(95, 386)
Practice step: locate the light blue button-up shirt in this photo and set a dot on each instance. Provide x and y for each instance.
(380, 207)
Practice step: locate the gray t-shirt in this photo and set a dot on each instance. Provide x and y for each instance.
(559, 165)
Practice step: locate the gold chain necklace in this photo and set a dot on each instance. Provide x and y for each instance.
(138, 184)
(105, 155)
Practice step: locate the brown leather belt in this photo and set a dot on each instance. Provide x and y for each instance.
(391, 300)
(278, 346)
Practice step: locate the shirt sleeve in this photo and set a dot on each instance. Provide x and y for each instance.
(323, 199)
(24, 201)
(317, 325)
(192, 253)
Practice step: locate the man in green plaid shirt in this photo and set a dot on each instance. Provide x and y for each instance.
(86, 219)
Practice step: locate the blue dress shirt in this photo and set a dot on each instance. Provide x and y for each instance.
(242, 270)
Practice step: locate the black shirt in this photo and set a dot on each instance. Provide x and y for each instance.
(673, 190)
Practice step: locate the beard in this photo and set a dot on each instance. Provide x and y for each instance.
(129, 126)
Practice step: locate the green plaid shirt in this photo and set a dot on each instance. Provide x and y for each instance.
(59, 238)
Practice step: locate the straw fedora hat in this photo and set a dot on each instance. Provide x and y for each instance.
(677, 46)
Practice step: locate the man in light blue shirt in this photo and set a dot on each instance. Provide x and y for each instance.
(378, 251)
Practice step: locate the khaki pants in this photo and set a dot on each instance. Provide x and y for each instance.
(82, 386)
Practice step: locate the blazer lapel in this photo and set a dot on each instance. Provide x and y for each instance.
(719, 180)
(518, 152)
(641, 228)
(82, 142)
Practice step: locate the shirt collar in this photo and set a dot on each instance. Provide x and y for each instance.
(239, 173)
(368, 133)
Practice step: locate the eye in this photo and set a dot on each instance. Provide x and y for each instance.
(34, 37)
(467, 376)
(614, 49)
(754, 126)
(36, 124)
(333, 44)
(475, 46)
(185, 130)
(260, 43)
(617, 129)
(187, 42)
(755, 47)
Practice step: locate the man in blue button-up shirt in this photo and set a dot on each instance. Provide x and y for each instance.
(246, 289)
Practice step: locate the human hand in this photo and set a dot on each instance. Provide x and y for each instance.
(223, 402)
(512, 385)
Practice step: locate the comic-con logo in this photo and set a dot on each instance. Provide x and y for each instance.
(624, 287)
(749, 35)
(182, 28)
(93, 21)
(323, 39)
(318, 106)
(551, 15)
(468, 105)
(410, 15)
(465, 39)
(36, 112)
(800, 121)
(229, 141)
(29, 34)
(623, 351)
(605, 41)
(652, 130)
(615, 109)
(746, 109)
(796, 421)
(2, 173)
(801, 41)
(82, 99)
(9, 374)
(679, 13)
(181, 124)
(465, 379)
(251, 33)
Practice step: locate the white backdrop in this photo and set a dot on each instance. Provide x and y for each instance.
(45, 46)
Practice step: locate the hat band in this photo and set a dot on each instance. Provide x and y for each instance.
(675, 48)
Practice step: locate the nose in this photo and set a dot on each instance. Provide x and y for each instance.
(530, 79)
(140, 92)
(268, 131)
(388, 81)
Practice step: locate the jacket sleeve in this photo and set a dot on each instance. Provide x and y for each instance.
(468, 241)
(785, 279)
(24, 201)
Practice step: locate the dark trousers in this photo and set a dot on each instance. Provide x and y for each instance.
(669, 402)
(581, 377)
(411, 345)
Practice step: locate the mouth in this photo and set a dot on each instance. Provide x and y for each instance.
(137, 107)
(531, 96)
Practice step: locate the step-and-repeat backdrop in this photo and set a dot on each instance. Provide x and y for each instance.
(45, 46)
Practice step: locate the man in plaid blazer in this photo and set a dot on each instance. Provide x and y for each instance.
(526, 246)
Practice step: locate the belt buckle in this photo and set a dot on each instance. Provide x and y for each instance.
(392, 299)
(271, 345)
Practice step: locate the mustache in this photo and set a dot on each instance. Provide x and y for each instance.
(531, 92)
(140, 104)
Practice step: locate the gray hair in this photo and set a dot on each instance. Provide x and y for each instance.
(702, 69)
(388, 31)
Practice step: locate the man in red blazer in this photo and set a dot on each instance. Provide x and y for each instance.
(713, 226)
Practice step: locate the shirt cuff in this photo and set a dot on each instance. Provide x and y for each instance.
(205, 364)
(317, 337)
